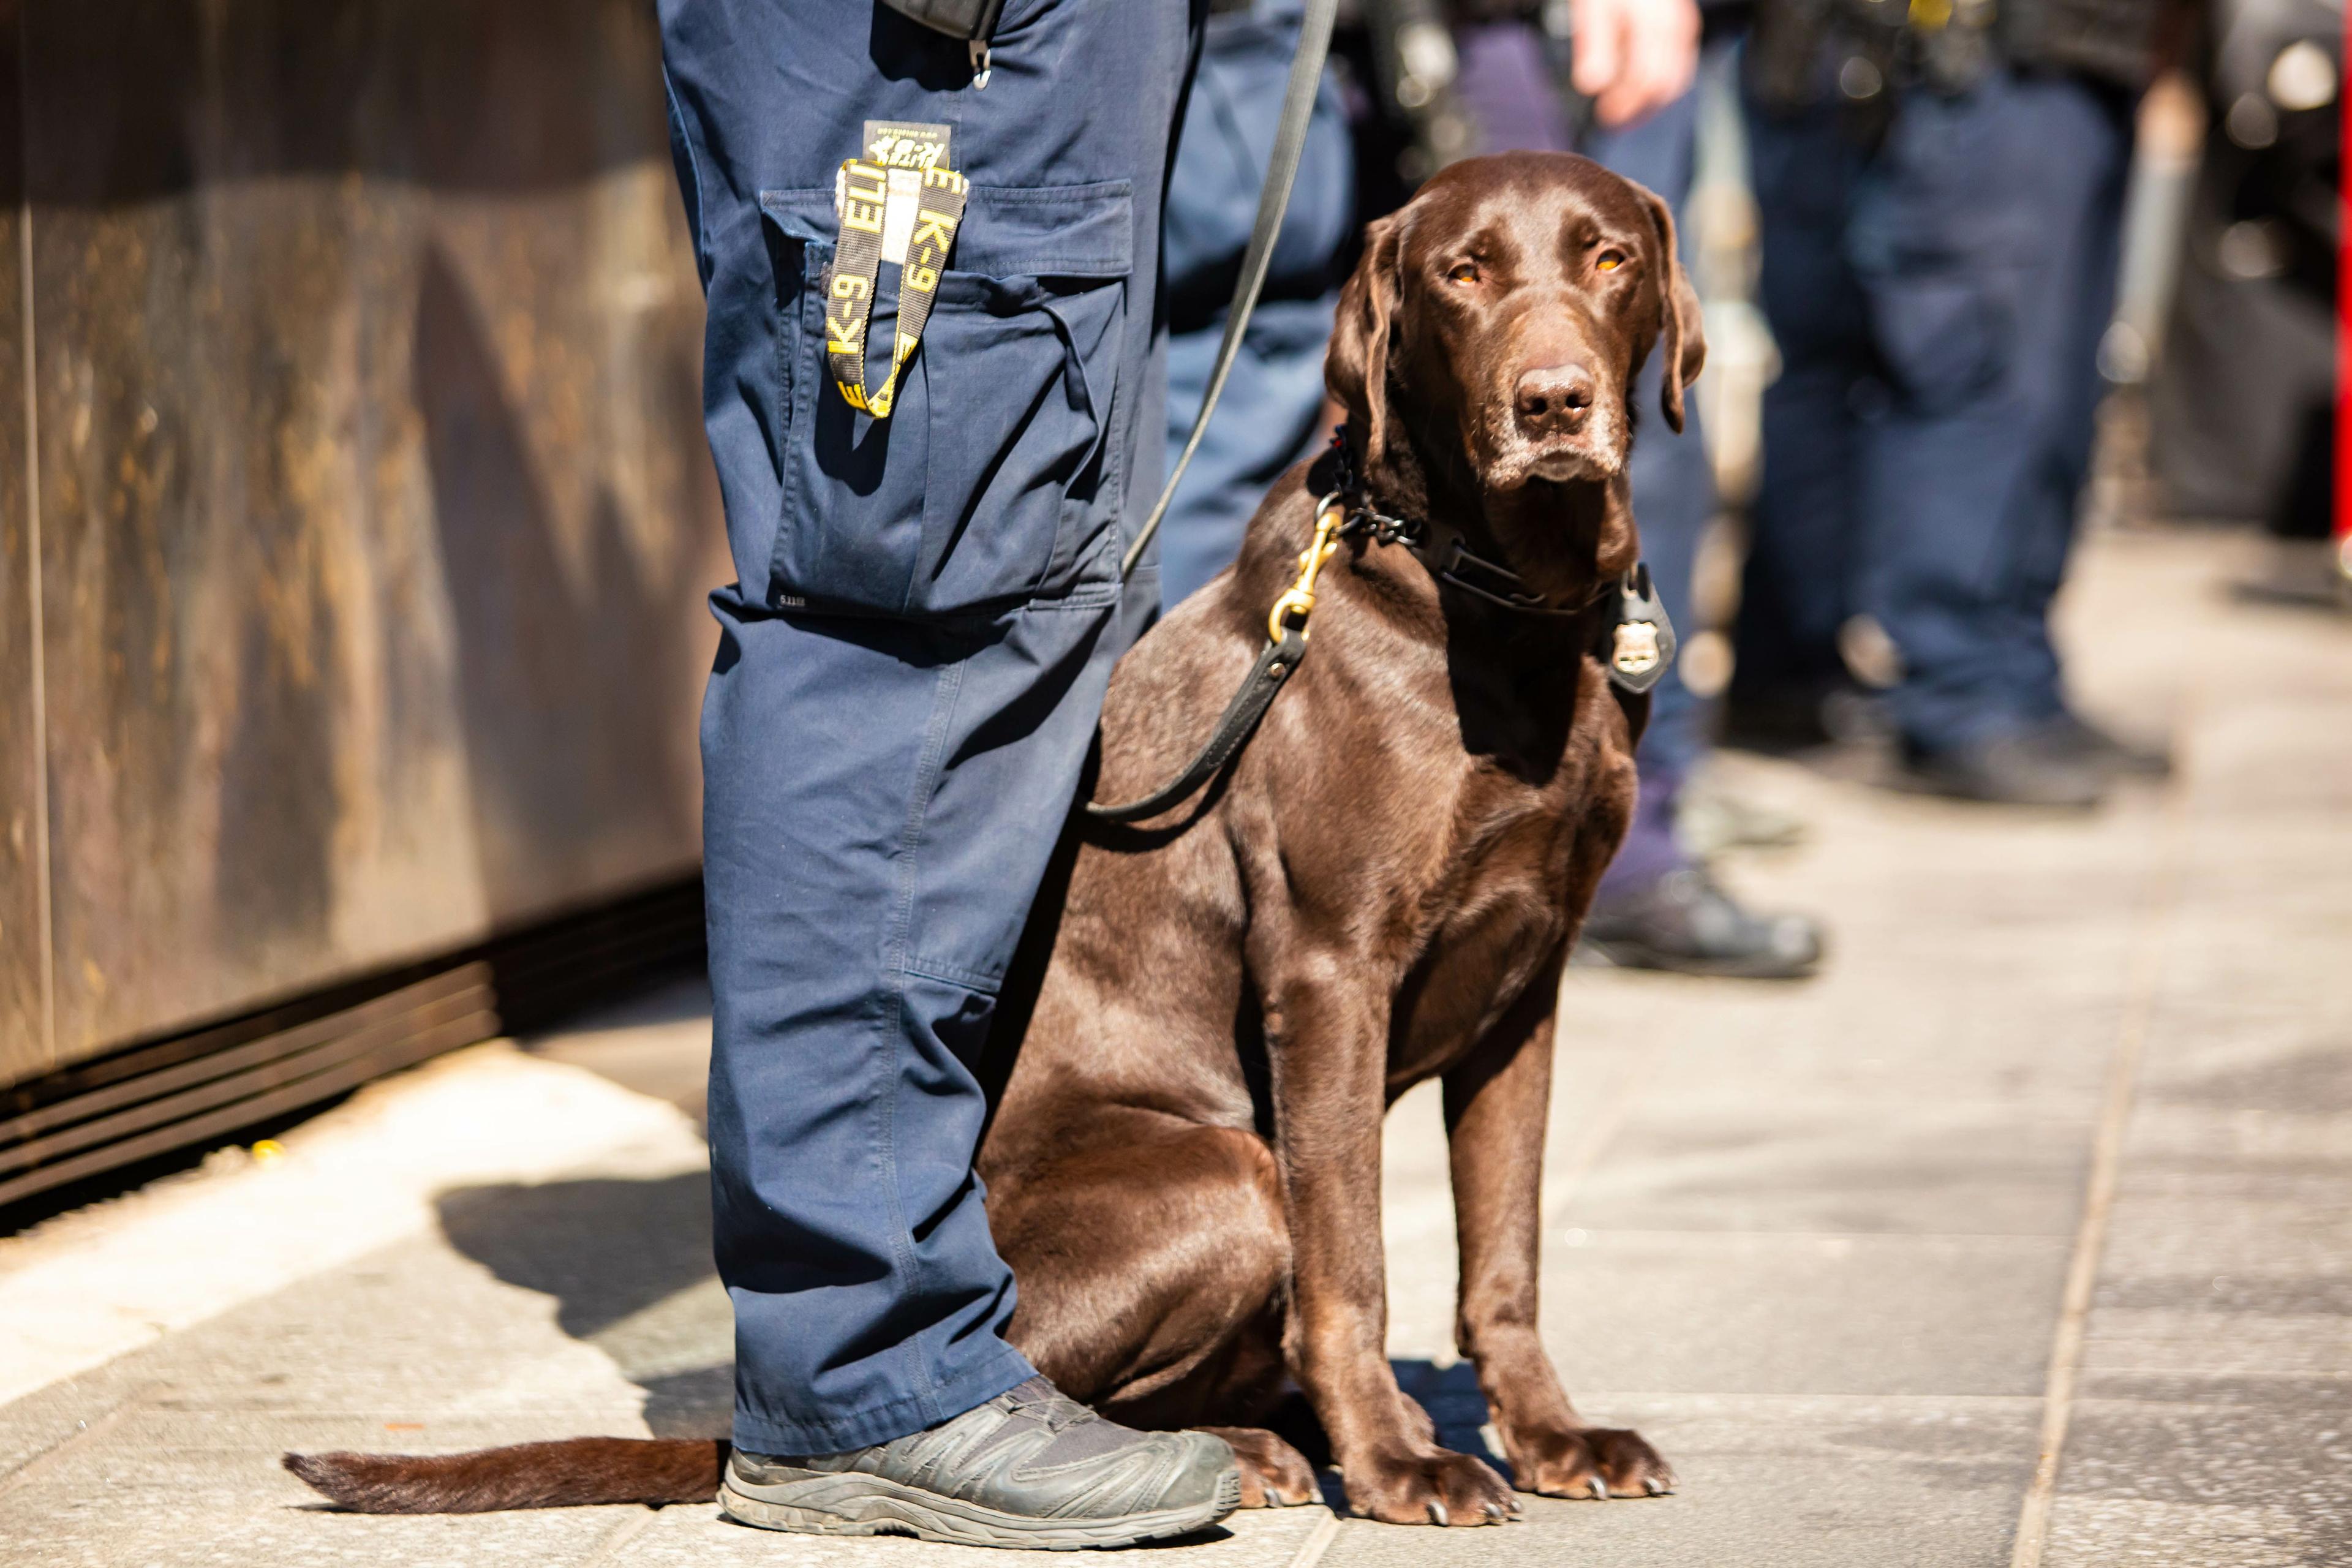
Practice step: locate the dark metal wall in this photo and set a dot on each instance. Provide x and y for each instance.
(374, 516)
(23, 1041)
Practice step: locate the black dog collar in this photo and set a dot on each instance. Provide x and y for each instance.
(1641, 639)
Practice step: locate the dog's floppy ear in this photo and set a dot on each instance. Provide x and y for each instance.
(1356, 370)
(1682, 338)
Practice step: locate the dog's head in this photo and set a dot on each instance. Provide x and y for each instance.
(1498, 320)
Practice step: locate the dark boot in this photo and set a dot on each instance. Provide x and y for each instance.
(1684, 923)
(2111, 754)
(2040, 766)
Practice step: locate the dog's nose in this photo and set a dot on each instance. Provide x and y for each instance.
(1553, 399)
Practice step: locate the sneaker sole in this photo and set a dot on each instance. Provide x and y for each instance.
(818, 1502)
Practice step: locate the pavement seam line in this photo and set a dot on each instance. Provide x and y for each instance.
(2149, 944)
(1318, 1541)
(50, 1456)
(620, 1535)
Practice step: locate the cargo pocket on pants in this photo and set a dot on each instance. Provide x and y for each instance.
(996, 479)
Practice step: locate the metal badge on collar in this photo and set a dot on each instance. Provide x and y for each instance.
(1641, 644)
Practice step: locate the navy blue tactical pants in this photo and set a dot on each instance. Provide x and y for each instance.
(1938, 304)
(912, 658)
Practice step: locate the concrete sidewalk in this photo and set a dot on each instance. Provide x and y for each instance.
(2059, 1146)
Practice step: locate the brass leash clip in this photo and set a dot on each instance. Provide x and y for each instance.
(1330, 517)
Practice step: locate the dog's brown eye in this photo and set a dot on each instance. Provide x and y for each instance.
(1610, 261)
(1464, 272)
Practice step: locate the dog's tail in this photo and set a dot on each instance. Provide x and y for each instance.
(566, 1474)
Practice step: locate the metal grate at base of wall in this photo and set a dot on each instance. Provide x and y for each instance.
(163, 1095)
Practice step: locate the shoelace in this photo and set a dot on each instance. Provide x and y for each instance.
(1057, 1410)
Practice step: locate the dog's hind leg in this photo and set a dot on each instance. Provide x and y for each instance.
(1152, 1265)
(1170, 1313)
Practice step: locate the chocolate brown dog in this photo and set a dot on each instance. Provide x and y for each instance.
(1184, 1168)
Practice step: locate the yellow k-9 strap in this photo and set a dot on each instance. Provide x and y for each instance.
(849, 283)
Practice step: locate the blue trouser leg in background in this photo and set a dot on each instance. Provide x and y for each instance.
(1939, 305)
(912, 659)
(1674, 496)
(1267, 420)
(1804, 533)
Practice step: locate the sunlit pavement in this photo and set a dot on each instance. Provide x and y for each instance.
(1816, 1241)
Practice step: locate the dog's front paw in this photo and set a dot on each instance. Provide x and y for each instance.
(1433, 1486)
(1590, 1462)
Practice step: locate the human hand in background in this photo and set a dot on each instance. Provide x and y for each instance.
(1634, 56)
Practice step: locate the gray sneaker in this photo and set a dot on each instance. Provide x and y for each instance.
(1031, 1467)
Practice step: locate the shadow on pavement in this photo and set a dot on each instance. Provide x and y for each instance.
(1451, 1397)
(629, 1265)
(605, 1249)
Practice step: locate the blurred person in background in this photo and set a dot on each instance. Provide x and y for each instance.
(2243, 405)
(1941, 189)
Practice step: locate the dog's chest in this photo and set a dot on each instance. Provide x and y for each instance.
(1497, 918)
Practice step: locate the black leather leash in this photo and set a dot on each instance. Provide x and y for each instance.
(1233, 732)
(1287, 643)
(1286, 647)
(974, 21)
